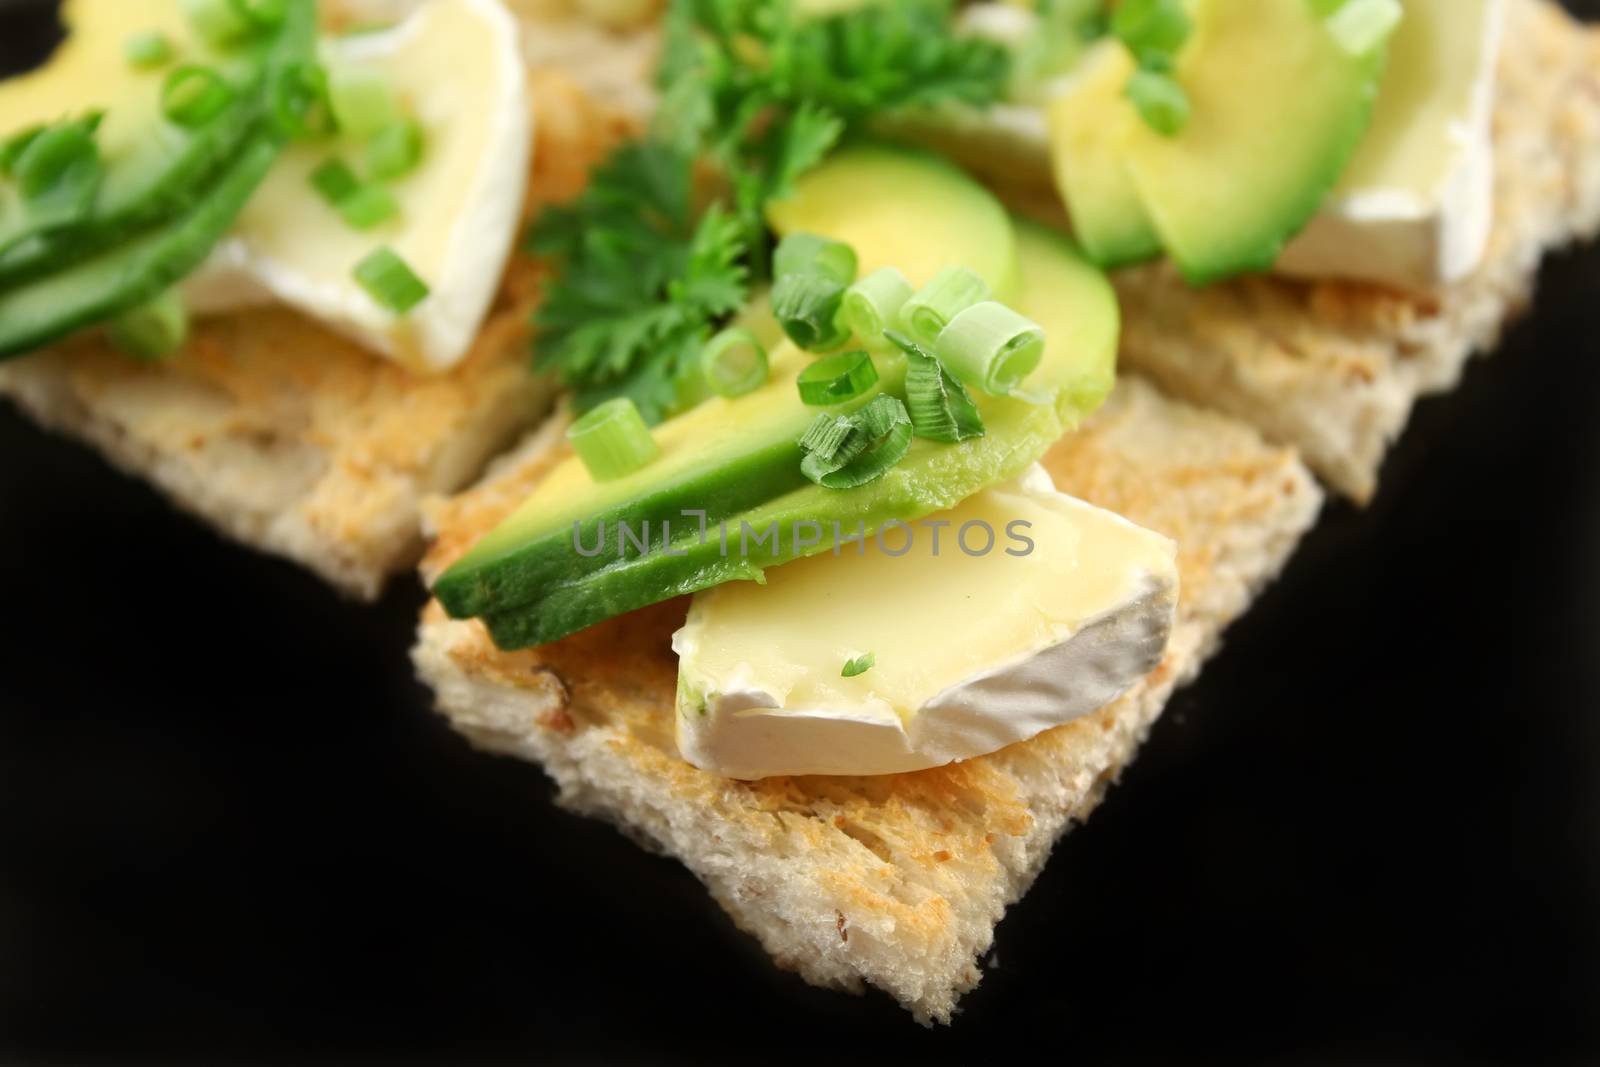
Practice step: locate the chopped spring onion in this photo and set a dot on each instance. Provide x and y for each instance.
(147, 49)
(1359, 26)
(837, 378)
(219, 22)
(58, 171)
(299, 99)
(264, 13)
(12, 147)
(734, 362)
(1153, 30)
(879, 436)
(991, 347)
(1160, 101)
(826, 435)
(859, 665)
(807, 307)
(941, 409)
(193, 96)
(151, 331)
(362, 101)
(395, 150)
(390, 281)
(334, 181)
(873, 304)
(612, 440)
(362, 206)
(806, 253)
(931, 308)
(369, 206)
(689, 388)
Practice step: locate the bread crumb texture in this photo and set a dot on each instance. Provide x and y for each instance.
(298, 442)
(1335, 368)
(895, 881)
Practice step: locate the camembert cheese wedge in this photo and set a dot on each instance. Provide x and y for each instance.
(1414, 207)
(1017, 611)
(458, 65)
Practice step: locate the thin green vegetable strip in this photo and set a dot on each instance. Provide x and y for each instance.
(612, 440)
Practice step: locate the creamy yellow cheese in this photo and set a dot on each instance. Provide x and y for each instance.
(90, 71)
(457, 66)
(1414, 207)
(1016, 611)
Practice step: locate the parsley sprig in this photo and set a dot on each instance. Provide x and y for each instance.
(761, 93)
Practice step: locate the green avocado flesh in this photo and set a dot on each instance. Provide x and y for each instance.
(1055, 287)
(727, 456)
(906, 209)
(1107, 215)
(1278, 108)
(168, 194)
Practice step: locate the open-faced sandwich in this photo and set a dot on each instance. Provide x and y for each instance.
(266, 252)
(849, 573)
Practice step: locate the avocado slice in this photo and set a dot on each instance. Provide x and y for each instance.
(727, 456)
(1108, 217)
(898, 207)
(1278, 106)
(1055, 286)
(129, 274)
(153, 168)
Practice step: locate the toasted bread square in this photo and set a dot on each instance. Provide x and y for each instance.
(298, 442)
(1335, 369)
(894, 881)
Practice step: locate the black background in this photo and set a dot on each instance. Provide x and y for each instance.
(230, 828)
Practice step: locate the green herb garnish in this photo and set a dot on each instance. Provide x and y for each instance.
(859, 665)
(873, 440)
(991, 347)
(390, 281)
(837, 378)
(807, 307)
(395, 150)
(147, 49)
(1160, 101)
(734, 362)
(612, 440)
(1154, 31)
(193, 95)
(940, 407)
(930, 309)
(763, 93)
(151, 331)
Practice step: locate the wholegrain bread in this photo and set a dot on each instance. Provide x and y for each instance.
(894, 881)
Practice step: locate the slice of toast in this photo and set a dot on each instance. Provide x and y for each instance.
(298, 442)
(894, 881)
(1335, 369)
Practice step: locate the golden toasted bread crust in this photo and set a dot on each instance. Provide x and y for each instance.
(898, 880)
(298, 442)
(1335, 368)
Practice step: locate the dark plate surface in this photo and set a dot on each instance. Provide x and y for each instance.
(231, 830)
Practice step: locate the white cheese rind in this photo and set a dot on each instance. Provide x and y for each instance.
(1415, 206)
(1105, 630)
(458, 64)
(1380, 225)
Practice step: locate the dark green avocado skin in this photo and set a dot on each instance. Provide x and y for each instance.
(486, 582)
(135, 271)
(156, 220)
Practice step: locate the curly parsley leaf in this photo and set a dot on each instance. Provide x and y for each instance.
(763, 93)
